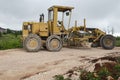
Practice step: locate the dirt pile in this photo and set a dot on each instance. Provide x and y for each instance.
(103, 68)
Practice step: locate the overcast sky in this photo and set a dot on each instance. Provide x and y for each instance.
(99, 13)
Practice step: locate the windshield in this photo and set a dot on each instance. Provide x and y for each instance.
(50, 15)
(63, 18)
(67, 17)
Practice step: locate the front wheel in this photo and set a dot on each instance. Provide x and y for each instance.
(107, 42)
(54, 43)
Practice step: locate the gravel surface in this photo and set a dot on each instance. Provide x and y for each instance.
(17, 64)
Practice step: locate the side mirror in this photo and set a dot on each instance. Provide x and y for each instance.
(67, 13)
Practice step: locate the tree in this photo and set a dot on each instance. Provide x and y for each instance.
(0, 34)
(109, 30)
(9, 31)
(112, 30)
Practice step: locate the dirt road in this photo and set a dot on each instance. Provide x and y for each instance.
(17, 64)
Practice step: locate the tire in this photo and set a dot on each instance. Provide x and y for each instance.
(32, 43)
(107, 42)
(54, 43)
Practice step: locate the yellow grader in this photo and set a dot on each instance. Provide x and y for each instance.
(52, 35)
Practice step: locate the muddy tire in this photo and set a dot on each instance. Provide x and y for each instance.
(54, 43)
(107, 42)
(32, 43)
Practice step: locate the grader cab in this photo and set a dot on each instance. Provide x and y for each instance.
(53, 33)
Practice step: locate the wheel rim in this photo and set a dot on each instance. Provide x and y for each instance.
(54, 43)
(108, 42)
(32, 43)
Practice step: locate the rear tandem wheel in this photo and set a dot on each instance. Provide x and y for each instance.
(54, 43)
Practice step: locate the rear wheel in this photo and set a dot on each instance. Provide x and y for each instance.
(32, 43)
(54, 43)
(107, 42)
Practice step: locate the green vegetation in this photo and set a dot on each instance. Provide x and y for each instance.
(108, 70)
(60, 77)
(9, 41)
(102, 74)
(118, 41)
(0, 34)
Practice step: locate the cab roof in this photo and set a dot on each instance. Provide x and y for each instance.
(61, 8)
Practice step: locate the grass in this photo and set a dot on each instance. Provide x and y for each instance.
(60, 77)
(10, 41)
(118, 41)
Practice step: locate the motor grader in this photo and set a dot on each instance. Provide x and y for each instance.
(52, 35)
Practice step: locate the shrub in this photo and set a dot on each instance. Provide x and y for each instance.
(118, 41)
(88, 76)
(0, 34)
(103, 73)
(116, 72)
(59, 77)
(9, 41)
